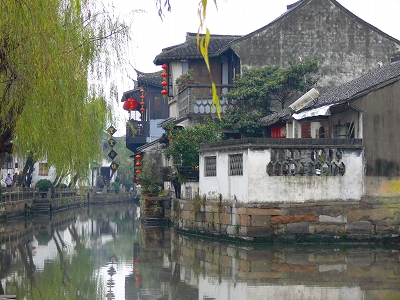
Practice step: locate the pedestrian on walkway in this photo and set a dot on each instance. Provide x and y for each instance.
(8, 180)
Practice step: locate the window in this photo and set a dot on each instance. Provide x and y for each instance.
(43, 169)
(210, 166)
(236, 165)
(8, 162)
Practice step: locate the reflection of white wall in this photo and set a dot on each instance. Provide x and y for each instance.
(86, 229)
(211, 288)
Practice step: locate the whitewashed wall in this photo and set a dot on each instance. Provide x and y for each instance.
(257, 186)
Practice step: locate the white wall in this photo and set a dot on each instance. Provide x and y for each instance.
(257, 186)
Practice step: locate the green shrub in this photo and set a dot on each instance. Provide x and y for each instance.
(43, 185)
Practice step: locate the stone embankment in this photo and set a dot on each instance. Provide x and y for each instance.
(27, 201)
(368, 220)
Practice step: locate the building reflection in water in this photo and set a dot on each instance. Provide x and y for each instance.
(132, 261)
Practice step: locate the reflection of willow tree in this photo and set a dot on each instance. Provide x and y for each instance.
(64, 278)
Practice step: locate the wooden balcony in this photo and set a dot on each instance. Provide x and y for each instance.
(138, 137)
(197, 99)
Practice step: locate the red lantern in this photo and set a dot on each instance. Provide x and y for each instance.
(138, 164)
(130, 104)
(164, 92)
(126, 105)
(138, 171)
(142, 91)
(164, 74)
(133, 103)
(142, 103)
(138, 157)
(164, 83)
(164, 66)
(142, 97)
(137, 180)
(142, 109)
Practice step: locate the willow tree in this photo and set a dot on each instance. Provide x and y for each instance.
(54, 58)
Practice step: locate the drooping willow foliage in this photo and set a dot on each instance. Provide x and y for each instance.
(54, 59)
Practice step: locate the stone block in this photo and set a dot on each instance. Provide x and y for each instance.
(244, 265)
(330, 219)
(215, 208)
(293, 219)
(201, 217)
(254, 231)
(257, 220)
(300, 227)
(263, 212)
(329, 228)
(225, 261)
(209, 217)
(226, 209)
(260, 266)
(284, 267)
(359, 227)
(370, 214)
(186, 215)
(244, 220)
(225, 219)
(242, 211)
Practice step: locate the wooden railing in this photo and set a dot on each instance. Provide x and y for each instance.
(197, 99)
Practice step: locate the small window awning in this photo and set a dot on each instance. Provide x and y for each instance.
(320, 111)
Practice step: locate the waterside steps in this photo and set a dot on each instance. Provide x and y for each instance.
(155, 211)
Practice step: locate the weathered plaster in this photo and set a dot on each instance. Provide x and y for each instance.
(257, 186)
(345, 46)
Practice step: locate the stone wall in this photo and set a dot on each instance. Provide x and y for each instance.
(368, 220)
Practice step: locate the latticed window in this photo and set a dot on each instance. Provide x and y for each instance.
(210, 166)
(43, 169)
(236, 165)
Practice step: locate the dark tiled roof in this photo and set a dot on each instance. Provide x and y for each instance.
(346, 92)
(293, 9)
(146, 79)
(189, 49)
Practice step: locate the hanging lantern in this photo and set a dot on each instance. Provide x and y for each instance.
(126, 105)
(138, 164)
(137, 180)
(130, 104)
(142, 103)
(164, 83)
(138, 171)
(138, 157)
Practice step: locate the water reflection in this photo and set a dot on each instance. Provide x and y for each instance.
(104, 253)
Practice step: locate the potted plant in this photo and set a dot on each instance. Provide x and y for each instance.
(43, 185)
(185, 79)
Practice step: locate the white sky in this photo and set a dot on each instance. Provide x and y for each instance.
(236, 17)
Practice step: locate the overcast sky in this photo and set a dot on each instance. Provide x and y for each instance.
(236, 17)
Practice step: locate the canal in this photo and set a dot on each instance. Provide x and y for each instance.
(104, 252)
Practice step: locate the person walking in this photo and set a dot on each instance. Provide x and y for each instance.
(8, 180)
